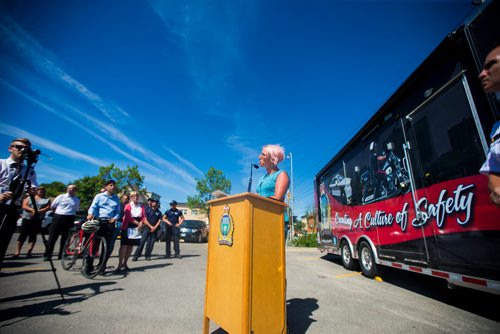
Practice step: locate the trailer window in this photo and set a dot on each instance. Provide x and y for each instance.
(446, 138)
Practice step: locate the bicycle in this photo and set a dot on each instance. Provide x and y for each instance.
(87, 244)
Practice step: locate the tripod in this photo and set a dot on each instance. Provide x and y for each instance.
(25, 183)
(33, 201)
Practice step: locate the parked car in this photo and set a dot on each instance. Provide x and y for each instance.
(194, 230)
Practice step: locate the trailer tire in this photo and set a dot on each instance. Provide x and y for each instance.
(347, 259)
(367, 260)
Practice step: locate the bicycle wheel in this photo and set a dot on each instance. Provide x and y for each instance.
(71, 251)
(96, 250)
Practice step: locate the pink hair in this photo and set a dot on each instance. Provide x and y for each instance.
(275, 152)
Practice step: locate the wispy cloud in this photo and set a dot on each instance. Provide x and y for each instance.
(209, 36)
(49, 173)
(45, 84)
(43, 61)
(157, 181)
(183, 161)
(16, 132)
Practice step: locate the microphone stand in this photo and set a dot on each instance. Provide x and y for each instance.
(252, 166)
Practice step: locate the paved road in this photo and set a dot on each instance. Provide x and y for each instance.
(167, 295)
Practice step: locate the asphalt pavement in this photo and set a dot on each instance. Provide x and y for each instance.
(167, 295)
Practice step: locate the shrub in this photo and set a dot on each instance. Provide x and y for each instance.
(307, 240)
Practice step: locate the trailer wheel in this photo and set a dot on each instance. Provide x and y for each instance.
(347, 260)
(367, 260)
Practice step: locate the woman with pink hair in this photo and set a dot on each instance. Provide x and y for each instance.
(275, 182)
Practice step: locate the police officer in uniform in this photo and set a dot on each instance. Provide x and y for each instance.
(173, 219)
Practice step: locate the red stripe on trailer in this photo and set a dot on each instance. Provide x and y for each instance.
(440, 274)
(474, 281)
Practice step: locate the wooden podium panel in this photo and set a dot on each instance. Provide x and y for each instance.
(245, 284)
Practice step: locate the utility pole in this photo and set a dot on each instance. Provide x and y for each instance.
(292, 202)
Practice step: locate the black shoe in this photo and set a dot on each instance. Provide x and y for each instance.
(46, 258)
(102, 272)
(178, 256)
(134, 259)
(168, 256)
(148, 259)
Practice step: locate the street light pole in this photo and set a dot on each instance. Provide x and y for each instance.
(290, 156)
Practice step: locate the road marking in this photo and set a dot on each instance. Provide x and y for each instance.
(348, 275)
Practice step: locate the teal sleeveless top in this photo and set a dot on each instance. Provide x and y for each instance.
(267, 183)
(266, 186)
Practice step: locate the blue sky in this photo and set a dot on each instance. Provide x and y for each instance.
(177, 87)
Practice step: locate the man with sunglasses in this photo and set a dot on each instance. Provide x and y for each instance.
(490, 80)
(12, 170)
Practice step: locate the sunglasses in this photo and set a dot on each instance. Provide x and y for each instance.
(19, 147)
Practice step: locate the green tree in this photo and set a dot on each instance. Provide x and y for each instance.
(87, 187)
(54, 188)
(214, 180)
(126, 180)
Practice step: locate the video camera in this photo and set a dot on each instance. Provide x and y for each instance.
(31, 156)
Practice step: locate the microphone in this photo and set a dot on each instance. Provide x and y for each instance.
(252, 166)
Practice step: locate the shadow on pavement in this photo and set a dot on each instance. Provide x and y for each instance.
(138, 268)
(332, 258)
(299, 312)
(481, 303)
(5, 273)
(71, 294)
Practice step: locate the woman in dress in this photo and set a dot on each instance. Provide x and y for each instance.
(133, 217)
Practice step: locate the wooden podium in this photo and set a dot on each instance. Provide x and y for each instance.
(245, 284)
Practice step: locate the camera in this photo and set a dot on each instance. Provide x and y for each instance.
(31, 156)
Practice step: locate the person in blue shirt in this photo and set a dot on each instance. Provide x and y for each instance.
(106, 207)
(173, 219)
(150, 230)
(490, 80)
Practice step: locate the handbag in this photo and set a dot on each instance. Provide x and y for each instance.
(133, 233)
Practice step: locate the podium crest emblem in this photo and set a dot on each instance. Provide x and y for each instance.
(226, 230)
